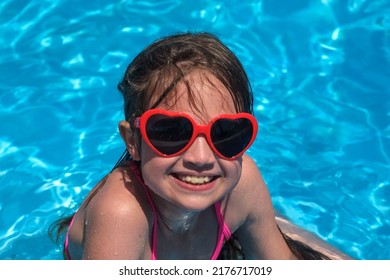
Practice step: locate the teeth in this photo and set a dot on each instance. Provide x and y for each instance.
(195, 180)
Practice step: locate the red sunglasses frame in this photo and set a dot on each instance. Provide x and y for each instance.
(140, 122)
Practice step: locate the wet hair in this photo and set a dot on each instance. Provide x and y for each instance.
(151, 77)
(167, 61)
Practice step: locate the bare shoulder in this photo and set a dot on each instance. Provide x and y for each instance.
(117, 214)
(251, 176)
(251, 191)
(121, 195)
(120, 189)
(250, 201)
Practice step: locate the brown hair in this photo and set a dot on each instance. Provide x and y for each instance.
(158, 68)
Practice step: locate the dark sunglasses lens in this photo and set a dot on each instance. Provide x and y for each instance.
(168, 134)
(230, 137)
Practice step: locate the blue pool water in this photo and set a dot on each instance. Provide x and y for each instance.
(320, 71)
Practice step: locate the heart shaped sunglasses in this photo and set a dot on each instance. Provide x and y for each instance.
(171, 133)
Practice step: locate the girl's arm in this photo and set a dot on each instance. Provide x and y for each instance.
(266, 235)
(308, 242)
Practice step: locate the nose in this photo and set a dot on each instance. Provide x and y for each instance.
(199, 153)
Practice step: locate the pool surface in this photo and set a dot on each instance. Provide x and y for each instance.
(320, 71)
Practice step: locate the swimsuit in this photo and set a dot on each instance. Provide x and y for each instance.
(223, 231)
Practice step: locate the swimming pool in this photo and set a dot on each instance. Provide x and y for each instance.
(320, 71)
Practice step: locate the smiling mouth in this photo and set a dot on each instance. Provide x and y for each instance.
(195, 180)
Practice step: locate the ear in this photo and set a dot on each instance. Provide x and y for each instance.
(129, 138)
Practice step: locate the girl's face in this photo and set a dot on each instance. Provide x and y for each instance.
(197, 178)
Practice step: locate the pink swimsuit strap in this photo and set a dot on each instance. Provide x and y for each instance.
(223, 232)
(66, 243)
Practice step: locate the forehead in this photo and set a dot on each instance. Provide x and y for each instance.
(202, 94)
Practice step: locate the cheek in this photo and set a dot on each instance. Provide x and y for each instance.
(148, 156)
(154, 167)
(153, 172)
(233, 170)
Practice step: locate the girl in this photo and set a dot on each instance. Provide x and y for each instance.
(184, 184)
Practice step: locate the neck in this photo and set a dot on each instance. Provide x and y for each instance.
(173, 219)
